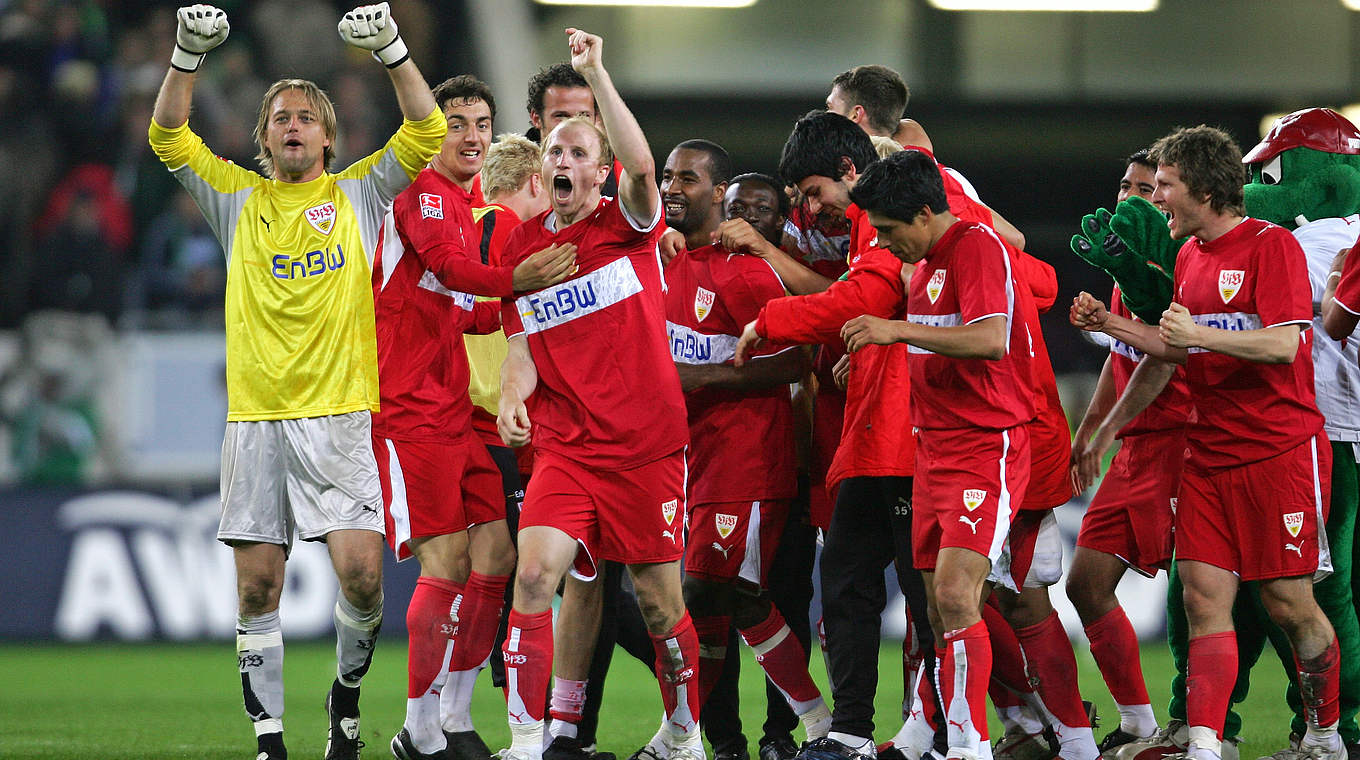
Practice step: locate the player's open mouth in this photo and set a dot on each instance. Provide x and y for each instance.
(561, 187)
(675, 208)
(471, 155)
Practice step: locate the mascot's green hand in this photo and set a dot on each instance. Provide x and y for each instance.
(1091, 243)
(1146, 290)
(1143, 227)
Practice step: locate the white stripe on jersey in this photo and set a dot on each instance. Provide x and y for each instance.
(1233, 321)
(932, 320)
(398, 506)
(587, 294)
(689, 346)
(1324, 553)
(462, 300)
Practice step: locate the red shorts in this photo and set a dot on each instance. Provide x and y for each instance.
(1259, 520)
(964, 491)
(1033, 554)
(1131, 515)
(734, 541)
(1050, 458)
(436, 488)
(632, 516)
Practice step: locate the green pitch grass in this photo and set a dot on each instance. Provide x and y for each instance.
(184, 701)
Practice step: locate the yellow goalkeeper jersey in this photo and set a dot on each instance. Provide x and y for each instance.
(299, 302)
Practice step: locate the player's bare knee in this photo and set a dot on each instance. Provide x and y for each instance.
(955, 602)
(1291, 610)
(258, 595)
(534, 585)
(361, 583)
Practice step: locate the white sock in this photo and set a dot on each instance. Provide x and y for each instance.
(1205, 738)
(1017, 717)
(816, 719)
(422, 723)
(1321, 736)
(527, 738)
(1077, 742)
(562, 728)
(857, 743)
(1137, 719)
(455, 701)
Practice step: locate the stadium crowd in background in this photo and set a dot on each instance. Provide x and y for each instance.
(680, 373)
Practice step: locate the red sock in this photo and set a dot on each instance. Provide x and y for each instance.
(1049, 658)
(1320, 685)
(713, 635)
(1114, 646)
(1209, 679)
(966, 667)
(781, 654)
(478, 618)
(677, 660)
(427, 631)
(528, 653)
(1008, 660)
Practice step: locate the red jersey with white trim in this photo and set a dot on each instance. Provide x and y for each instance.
(421, 271)
(1171, 409)
(608, 394)
(823, 242)
(1347, 294)
(1253, 277)
(967, 276)
(741, 442)
(961, 204)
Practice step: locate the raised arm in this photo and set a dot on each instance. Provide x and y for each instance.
(371, 27)
(637, 186)
(200, 28)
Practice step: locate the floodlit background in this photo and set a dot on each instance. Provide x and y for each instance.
(111, 393)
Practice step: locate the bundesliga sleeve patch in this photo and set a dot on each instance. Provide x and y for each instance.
(431, 206)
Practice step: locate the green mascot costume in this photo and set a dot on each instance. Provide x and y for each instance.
(1305, 176)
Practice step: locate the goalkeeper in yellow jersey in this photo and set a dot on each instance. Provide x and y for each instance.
(302, 372)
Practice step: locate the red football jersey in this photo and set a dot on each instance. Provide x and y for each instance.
(608, 393)
(968, 276)
(423, 268)
(741, 442)
(1171, 409)
(1348, 289)
(1254, 276)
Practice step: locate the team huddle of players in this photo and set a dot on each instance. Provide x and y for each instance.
(412, 337)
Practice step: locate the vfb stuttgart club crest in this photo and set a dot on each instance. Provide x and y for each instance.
(973, 498)
(935, 285)
(668, 509)
(725, 524)
(1229, 282)
(703, 303)
(322, 218)
(1293, 522)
